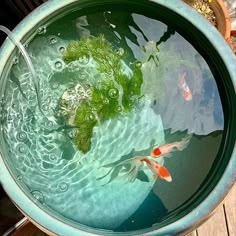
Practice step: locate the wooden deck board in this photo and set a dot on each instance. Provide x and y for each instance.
(223, 222)
(230, 210)
(216, 225)
(194, 233)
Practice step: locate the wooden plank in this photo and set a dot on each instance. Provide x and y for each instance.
(28, 229)
(216, 225)
(230, 210)
(194, 233)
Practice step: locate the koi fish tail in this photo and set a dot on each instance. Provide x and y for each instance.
(135, 164)
(130, 172)
(184, 142)
(181, 80)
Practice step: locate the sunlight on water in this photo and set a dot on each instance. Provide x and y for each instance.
(100, 187)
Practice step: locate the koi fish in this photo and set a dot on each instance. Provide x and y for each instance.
(184, 88)
(135, 165)
(164, 150)
(157, 169)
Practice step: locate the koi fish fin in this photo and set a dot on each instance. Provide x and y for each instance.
(131, 175)
(155, 176)
(181, 79)
(133, 171)
(102, 177)
(114, 174)
(169, 154)
(121, 170)
(184, 143)
(162, 162)
(112, 169)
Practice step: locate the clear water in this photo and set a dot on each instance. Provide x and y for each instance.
(61, 177)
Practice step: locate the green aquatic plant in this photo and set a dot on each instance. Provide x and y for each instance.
(114, 89)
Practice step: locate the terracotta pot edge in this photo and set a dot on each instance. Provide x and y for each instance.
(226, 18)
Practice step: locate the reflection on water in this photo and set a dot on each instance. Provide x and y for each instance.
(103, 188)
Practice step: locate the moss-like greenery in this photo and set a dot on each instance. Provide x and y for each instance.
(116, 93)
(86, 121)
(96, 47)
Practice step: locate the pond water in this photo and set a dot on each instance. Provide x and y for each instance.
(100, 181)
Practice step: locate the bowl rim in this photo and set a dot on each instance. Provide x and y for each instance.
(198, 214)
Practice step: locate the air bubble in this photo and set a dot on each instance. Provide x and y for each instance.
(38, 195)
(53, 40)
(49, 124)
(15, 60)
(62, 49)
(90, 117)
(22, 148)
(106, 101)
(58, 65)
(55, 85)
(119, 108)
(45, 107)
(138, 64)
(21, 136)
(120, 51)
(41, 30)
(89, 92)
(52, 157)
(63, 186)
(19, 177)
(113, 93)
(72, 133)
(84, 60)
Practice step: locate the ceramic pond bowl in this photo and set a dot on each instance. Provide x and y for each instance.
(125, 124)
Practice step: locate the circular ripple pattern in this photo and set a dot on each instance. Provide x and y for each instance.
(21, 149)
(63, 187)
(21, 136)
(38, 196)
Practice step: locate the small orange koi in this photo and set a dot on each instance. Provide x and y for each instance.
(164, 150)
(157, 169)
(184, 88)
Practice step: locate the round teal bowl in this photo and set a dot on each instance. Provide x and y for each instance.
(219, 172)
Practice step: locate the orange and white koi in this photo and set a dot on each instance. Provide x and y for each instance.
(164, 150)
(135, 164)
(184, 88)
(157, 169)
